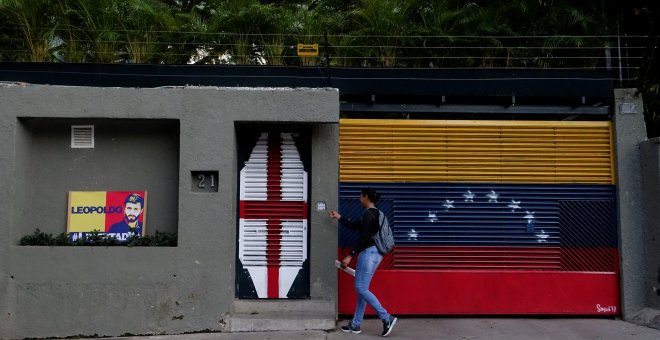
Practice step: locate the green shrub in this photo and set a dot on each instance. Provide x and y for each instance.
(38, 238)
(160, 239)
(96, 238)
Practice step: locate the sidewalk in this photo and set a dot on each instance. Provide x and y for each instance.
(455, 328)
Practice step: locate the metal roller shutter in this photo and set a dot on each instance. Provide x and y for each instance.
(525, 202)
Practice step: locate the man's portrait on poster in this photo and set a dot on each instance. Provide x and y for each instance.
(133, 208)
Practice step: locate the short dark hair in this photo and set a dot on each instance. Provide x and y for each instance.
(371, 194)
(134, 198)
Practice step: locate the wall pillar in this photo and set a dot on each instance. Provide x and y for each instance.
(629, 131)
(650, 154)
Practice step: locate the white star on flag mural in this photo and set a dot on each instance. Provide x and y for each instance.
(469, 196)
(514, 205)
(542, 236)
(412, 235)
(432, 217)
(528, 220)
(492, 196)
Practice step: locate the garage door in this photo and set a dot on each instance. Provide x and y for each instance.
(490, 217)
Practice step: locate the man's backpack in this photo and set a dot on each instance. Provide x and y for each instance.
(384, 238)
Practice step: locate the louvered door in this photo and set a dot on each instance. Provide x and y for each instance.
(272, 232)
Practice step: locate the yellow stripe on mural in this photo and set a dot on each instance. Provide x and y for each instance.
(380, 150)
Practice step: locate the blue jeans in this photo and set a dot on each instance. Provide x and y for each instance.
(367, 262)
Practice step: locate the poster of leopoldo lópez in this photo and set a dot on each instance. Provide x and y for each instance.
(118, 214)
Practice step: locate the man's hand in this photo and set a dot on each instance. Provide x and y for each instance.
(346, 261)
(334, 214)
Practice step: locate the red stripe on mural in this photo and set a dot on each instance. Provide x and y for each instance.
(594, 259)
(472, 292)
(273, 193)
(492, 289)
(473, 257)
(273, 209)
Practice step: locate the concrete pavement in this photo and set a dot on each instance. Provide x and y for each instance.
(454, 328)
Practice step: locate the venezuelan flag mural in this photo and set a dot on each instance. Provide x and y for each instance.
(490, 217)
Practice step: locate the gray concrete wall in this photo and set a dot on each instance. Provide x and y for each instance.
(651, 180)
(325, 151)
(64, 291)
(637, 191)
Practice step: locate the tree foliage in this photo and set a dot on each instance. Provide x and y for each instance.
(373, 33)
(387, 33)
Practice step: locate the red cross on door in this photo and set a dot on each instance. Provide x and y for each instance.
(272, 233)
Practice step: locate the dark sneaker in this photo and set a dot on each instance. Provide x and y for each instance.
(350, 329)
(388, 325)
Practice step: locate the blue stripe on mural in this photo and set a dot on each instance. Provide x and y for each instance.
(587, 223)
(488, 214)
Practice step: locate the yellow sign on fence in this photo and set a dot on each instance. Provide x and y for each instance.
(308, 50)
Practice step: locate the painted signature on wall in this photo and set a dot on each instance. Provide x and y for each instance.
(605, 309)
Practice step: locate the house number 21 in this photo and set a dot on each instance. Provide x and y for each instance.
(202, 180)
